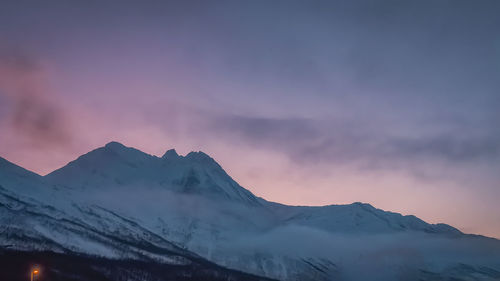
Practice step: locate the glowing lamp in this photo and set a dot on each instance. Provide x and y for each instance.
(34, 272)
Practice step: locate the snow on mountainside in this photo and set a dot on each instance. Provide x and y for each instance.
(14, 174)
(119, 202)
(117, 165)
(360, 217)
(31, 220)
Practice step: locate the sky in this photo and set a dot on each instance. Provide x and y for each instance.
(392, 103)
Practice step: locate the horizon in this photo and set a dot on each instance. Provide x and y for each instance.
(390, 103)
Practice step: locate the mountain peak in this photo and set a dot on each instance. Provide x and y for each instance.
(118, 165)
(199, 156)
(114, 145)
(170, 154)
(120, 152)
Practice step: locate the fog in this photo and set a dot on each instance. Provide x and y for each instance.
(230, 233)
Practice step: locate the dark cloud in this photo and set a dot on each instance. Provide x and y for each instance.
(309, 141)
(28, 105)
(256, 130)
(451, 148)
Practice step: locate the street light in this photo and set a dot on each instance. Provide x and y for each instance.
(34, 272)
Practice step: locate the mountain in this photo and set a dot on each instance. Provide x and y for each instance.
(362, 218)
(116, 165)
(120, 203)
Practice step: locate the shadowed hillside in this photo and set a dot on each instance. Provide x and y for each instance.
(68, 267)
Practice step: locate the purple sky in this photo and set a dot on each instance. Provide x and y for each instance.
(394, 103)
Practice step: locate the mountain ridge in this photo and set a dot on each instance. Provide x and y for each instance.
(115, 164)
(119, 202)
(118, 150)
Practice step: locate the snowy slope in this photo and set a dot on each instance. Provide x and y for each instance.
(361, 218)
(116, 165)
(32, 220)
(119, 202)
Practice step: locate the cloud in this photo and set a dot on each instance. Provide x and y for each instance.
(361, 256)
(312, 141)
(448, 147)
(28, 105)
(260, 130)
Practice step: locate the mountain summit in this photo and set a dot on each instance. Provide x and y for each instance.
(117, 165)
(170, 154)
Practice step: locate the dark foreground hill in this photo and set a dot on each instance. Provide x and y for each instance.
(15, 266)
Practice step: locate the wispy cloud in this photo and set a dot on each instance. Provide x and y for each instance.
(310, 141)
(29, 108)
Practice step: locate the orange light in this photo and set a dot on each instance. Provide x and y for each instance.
(35, 271)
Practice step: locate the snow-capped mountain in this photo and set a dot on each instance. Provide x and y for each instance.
(119, 202)
(116, 165)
